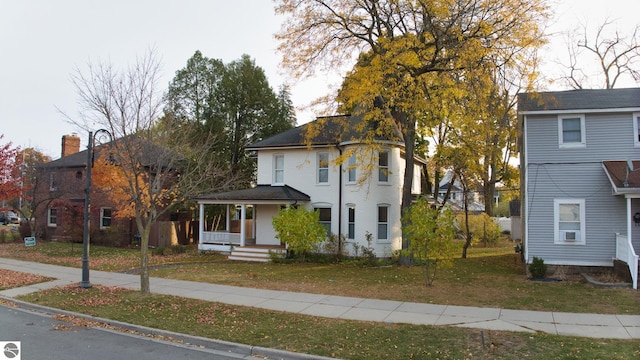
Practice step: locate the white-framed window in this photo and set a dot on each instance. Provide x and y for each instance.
(351, 222)
(569, 221)
(383, 222)
(323, 168)
(278, 169)
(324, 217)
(351, 169)
(53, 181)
(636, 129)
(383, 166)
(105, 218)
(571, 131)
(52, 217)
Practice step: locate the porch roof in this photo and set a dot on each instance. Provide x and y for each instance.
(625, 181)
(261, 194)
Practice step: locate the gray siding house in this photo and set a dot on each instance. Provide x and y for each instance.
(580, 175)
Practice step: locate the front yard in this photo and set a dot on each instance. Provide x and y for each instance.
(491, 277)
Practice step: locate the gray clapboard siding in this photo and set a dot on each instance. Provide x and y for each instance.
(554, 172)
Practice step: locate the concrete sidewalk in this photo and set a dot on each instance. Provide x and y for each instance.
(348, 308)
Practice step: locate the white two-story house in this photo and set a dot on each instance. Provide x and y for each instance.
(580, 168)
(354, 183)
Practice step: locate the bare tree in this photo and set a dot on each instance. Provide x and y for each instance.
(156, 168)
(614, 55)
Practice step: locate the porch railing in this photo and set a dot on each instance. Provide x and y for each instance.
(625, 252)
(220, 237)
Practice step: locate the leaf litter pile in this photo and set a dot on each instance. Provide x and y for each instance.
(12, 279)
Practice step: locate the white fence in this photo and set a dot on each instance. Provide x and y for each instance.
(625, 252)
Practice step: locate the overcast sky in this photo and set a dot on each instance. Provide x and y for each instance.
(43, 41)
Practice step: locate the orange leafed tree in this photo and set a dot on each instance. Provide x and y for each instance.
(10, 180)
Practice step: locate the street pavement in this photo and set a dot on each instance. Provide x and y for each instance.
(348, 308)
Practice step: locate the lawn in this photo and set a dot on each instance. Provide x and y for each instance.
(322, 336)
(490, 277)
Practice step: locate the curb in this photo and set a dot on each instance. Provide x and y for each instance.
(170, 336)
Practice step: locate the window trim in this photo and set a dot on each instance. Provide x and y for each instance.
(320, 169)
(382, 168)
(583, 133)
(386, 239)
(326, 223)
(49, 216)
(636, 129)
(351, 222)
(277, 170)
(102, 218)
(557, 238)
(352, 174)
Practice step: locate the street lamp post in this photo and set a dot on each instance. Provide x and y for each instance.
(87, 213)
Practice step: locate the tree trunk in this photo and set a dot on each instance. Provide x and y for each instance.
(145, 288)
(468, 237)
(409, 132)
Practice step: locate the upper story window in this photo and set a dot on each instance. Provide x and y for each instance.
(278, 169)
(636, 129)
(569, 224)
(383, 166)
(105, 218)
(351, 169)
(53, 181)
(571, 131)
(323, 168)
(52, 217)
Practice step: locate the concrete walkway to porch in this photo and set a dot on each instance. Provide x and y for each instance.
(349, 308)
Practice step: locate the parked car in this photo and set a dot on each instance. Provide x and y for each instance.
(9, 217)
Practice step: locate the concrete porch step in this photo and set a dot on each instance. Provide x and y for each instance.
(255, 253)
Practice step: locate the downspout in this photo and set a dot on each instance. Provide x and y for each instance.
(339, 192)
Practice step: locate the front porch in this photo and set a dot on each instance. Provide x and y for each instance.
(249, 235)
(625, 181)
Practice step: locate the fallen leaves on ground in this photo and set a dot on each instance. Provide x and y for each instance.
(12, 279)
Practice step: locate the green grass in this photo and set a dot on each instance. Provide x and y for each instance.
(326, 337)
(490, 277)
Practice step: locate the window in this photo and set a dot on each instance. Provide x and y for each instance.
(52, 217)
(636, 129)
(383, 166)
(323, 168)
(278, 169)
(351, 169)
(569, 215)
(53, 181)
(105, 218)
(571, 131)
(325, 218)
(351, 222)
(383, 222)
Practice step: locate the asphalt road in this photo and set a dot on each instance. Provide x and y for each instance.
(42, 337)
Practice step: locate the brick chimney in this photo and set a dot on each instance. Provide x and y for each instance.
(70, 144)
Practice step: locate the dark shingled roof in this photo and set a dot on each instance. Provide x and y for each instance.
(331, 130)
(276, 194)
(580, 100)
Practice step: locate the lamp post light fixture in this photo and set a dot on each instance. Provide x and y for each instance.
(85, 283)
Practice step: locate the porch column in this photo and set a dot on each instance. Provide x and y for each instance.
(201, 224)
(629, 220)
(227, 225)
(243, 230)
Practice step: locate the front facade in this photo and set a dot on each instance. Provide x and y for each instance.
(576, 145)
(355, 186)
